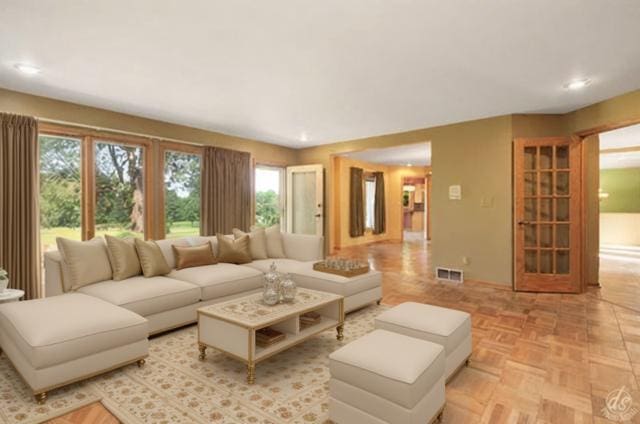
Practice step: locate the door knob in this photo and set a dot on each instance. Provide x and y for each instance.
(318, 215)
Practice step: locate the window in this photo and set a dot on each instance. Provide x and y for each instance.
(60, 190)
(370, 202)
(269, 195)
(119, 191)
(181, 194)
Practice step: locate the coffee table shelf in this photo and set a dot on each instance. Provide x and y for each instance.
(231, 326)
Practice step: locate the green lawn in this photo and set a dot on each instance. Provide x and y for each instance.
(48, 235)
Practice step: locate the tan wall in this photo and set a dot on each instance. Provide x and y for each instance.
(624, 109)
(339, 216)
(42, 107)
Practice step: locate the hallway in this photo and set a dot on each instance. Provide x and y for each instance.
(536, 357)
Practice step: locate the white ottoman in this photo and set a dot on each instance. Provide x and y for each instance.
(358, 291)
(62, 339)
(386, 377)
(447, 327)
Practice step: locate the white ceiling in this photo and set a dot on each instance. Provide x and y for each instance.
(409, 154)
(302, 73)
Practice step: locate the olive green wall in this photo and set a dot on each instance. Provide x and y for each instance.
(623, 186)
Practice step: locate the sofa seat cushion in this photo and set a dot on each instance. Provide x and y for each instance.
(395, 367)
(145, 296)
(62, 328)
(305, 276)
(283, 265)
(220, 280)
(444, 326)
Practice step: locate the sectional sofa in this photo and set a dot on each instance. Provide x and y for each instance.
(171, 301)
(72, 335)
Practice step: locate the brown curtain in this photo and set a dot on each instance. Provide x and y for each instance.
(19, 192)
(226, 191)
(380, 217)
(356, 203)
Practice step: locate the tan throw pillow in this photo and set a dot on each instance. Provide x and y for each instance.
(191, 256)
(151, 259)
(257, 242)
(275, 246)
(84, 262)
(123, 257)
(234, 251)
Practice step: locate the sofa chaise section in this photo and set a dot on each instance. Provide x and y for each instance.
(56, 341)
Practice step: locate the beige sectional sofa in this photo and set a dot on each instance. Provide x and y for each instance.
(172, 300)
(74, 334)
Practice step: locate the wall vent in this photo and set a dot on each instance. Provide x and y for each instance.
(449, 274)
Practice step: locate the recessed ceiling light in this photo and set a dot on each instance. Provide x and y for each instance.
(409, 165)
(303, 137)
(27, 69)
(577, 84)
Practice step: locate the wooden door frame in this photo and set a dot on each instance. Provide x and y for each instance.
(577, 244)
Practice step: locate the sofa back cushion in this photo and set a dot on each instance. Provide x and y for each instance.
(83, 262)
(234, 251)
(123, 257)
(151, 259)
(192, 256)
(275, 246)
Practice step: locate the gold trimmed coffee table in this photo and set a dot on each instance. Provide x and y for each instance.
(231, 326)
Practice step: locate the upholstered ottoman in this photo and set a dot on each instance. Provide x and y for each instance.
(447, 327)
(358, 291)
(385, 377)
(62, 339)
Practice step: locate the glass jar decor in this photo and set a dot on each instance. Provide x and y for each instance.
(271, 289)
(288, 289)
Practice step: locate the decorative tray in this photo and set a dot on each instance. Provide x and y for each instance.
(359, 269)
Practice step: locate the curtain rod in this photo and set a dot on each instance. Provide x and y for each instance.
(112, 130)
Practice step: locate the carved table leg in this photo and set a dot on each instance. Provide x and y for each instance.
(251, 373)
(340, 332)
(141, 362)
(203, 351)
(41, 398)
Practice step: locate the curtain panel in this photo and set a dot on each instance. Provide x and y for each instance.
(379, 216)
(356, 202)
(19, 203)
(227, 191)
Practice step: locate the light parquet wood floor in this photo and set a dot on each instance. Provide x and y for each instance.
(537, 358)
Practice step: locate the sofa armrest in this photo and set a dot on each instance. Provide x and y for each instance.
(302, 247)
(53, 274)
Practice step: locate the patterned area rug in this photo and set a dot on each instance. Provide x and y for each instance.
(175, 387)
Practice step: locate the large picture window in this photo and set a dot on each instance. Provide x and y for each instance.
(60, 190)
(120, 190)
(181, 194)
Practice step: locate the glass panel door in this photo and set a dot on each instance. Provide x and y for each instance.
(305, 199)
(547, 215)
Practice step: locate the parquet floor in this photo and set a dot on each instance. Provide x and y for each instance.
(536, 358)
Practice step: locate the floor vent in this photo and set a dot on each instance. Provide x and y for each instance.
(448, 274)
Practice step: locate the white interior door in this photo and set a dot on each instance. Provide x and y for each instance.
(305, 194)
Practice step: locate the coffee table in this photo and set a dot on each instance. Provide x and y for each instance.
(231, 326)
(11, 295)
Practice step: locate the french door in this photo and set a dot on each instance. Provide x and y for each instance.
(305, 194)
(547, 215)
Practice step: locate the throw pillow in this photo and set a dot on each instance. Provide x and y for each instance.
(83, 262)
(123, 257)
(234, 251)
(257, 242)
(190, 256)
(275, 245)
(151, 259)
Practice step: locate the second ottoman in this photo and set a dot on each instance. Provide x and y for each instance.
(447, 327)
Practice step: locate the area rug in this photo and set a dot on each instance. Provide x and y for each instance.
(175, 387)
